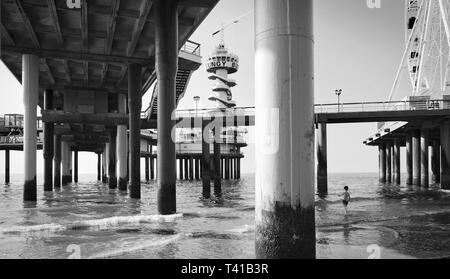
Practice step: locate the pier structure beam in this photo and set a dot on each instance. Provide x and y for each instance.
(284, 201)
(75, 166)
(65, 162)
(321, 149)
(7, 162)
(424, 146)
(57, 161)
(382, 162)
(48, 144)
(388, 162)
(122, 147)
(206, 161)
(166, 42)
(435, 162)
(112, 167)
(445, 155)
(409, 159)
(30, 84)
(134, 107)
(99, 167)
(416, 157)
(396, 162)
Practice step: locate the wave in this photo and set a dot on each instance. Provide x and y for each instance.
(104, 223)
(141, 246)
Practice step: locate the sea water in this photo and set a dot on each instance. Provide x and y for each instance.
(87, 220)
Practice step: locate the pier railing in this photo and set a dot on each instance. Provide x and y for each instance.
(191, 47)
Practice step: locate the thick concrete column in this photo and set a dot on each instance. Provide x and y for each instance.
(166, 35)
(388, 162)
(409, 168)
(99, 167)
(416, 157)
(284, 97)
(75, 166)
(134, 107)
(104, 171)
(321, 150)
(217, 177)
(435, 162)
(147, 169)
(65, 163)
(7, 172)
(30, 83)
(424, 145)
(206, 161)
(57, 162)
(396, 162)
(382, 162)
(112, 180)
(48, 144)
(191, 168)
(445, 155)
(122, 147)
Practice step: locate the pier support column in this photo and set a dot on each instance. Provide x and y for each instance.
(65, 162)
(388, 162)
(284, 59)
(396, 162)
(424, 145)
(75, 166)
(321, 149)
(217, 177)
(197, 169)
(435, 162)
(409, 158)
(7, 162)
(134, 107)
(57, 162)
(445, 155)
(382, 162)
(48, 144)
(99, 167)
(122, 147)
(191, 168)
(112, 180)
(152, 168)
(239, 168)
(147, 169)
(30, 83)
(180, 168)
(104, 176)
(206, 162)
(166, 42)
(416, 157)
(186, 168)
(227, 168)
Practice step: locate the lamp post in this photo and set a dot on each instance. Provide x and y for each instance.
(338, 93)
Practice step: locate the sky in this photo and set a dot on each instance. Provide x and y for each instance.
(357, 49)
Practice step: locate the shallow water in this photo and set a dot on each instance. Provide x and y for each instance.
(99, 223)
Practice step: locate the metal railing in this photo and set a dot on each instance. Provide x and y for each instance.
(14, 140)
(191, 47)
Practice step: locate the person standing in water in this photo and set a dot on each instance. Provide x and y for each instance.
(346, 198)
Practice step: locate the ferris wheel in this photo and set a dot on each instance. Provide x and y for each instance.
(427, 52)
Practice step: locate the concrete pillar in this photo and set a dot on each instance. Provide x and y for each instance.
(416, 157)
(57, 162)
(396, 161)
(147, 169)
(206, 162)
(321, 150)
(75, 166)
(99, 167)
(388, 162)
(7, 172)
(409, 168)
(186, 168)
(217, 177)
(134, 107)
(191, 168)
(445, 155)
(239, 168)
(30, 84)
(70, 163)
(284, 99)
(424, 144)
(152, 168)
(104, 175)
(227, 168)
(180, 168)
(382, 162)
(197, 169)
(112, 167)
(48, 144)
(435, 162)
(65, 163)
(166, 42)
(122, 147)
